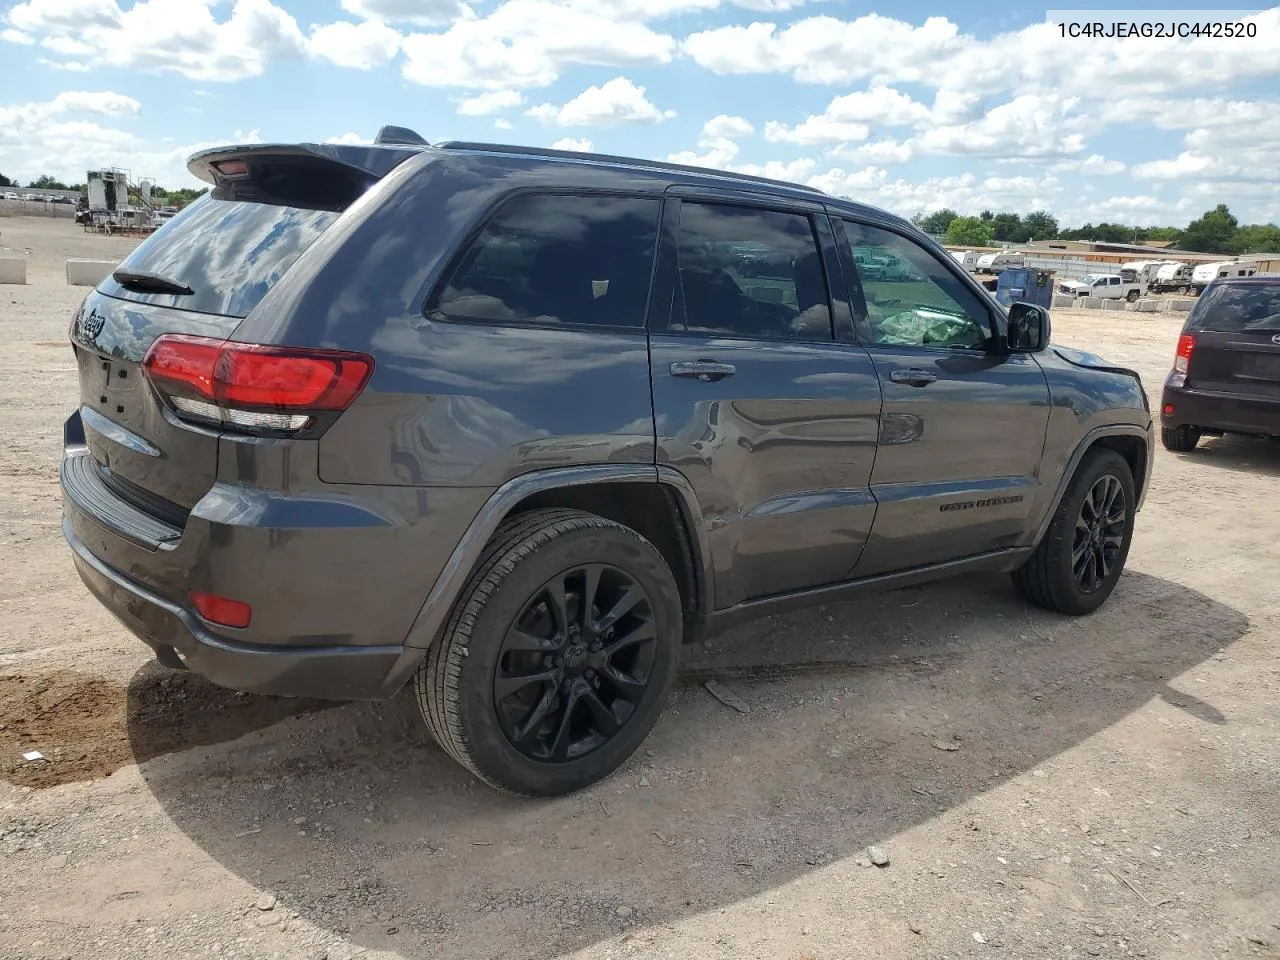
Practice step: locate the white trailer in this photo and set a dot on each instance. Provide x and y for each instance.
(1206, 273)
(1173, 276)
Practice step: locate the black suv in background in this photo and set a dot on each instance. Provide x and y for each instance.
(1226, 371)
(515, 424)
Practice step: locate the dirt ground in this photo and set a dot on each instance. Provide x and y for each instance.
(1043, 787)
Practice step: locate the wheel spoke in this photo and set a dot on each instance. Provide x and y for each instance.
(1113, 539)
(521, 641)
(606, 723)
(641, 633)
(591, 586)
(621, 607)
(1103, 566)
(558, 605)
(537, 715)
(628, 687)
(560, 745)
(1077, 552)
(504, 687)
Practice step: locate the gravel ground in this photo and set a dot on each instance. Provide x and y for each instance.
(1042, 787)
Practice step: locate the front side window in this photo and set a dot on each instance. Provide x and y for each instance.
(912, 299)
(552, 258)
(747, 272)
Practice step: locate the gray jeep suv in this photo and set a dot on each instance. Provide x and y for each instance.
(515, 424)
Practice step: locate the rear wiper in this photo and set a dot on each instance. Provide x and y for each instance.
(150, 282)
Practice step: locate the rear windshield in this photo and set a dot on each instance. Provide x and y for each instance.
(1237, 308)
(228, 251)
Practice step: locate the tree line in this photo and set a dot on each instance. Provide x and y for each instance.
(1216, 231)
(176, 198)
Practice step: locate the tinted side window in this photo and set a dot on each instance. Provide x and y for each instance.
(912, 299)
(550, 258)
(749, 273)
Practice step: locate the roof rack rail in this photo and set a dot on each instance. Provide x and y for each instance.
(399, 135)
(629, 161)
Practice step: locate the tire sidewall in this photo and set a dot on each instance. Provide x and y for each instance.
(1063, 529)
(477, 715)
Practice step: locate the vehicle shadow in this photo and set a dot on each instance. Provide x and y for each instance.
(1254, 455)
(866, 719)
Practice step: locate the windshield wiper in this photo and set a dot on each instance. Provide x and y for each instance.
(150, 282)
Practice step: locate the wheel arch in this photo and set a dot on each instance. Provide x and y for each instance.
(1132, 441)
(657, 502)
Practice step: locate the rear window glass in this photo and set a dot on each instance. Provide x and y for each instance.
(229, 252)
(1237, 308)
(552, 258)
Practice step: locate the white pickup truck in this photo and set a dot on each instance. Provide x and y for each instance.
(1105, 286)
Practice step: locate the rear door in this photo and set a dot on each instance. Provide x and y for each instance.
(962, 431)
(1236, 328)
(771, 418)
(201, 275)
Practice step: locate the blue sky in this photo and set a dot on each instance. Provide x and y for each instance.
(910, 105)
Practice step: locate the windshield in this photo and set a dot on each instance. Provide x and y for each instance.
(1237, 308)
(1089, 280)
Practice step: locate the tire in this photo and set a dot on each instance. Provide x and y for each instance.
(547, 664)
(1048, 578)
(1181, 439)
(1132, 296)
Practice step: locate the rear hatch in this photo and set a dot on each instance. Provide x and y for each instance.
(201, 274)
(1235, 333)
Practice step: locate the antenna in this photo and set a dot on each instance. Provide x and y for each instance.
(401, 135)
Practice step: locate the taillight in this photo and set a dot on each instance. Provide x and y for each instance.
(222, 610)
(249, 386)
(1182, 361)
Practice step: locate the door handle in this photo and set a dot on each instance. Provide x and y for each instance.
(913, 377)
(708, 371)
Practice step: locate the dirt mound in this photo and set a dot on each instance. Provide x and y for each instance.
(88, 727)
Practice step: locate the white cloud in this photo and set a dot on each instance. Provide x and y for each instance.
(728, 127)
(360, 46)
(717, 152)
(841, 183)
(1035, 59)
(580, 144)
(426, 13)
(528, 43)
(30, 121)
(181, 36)
(1185, 164)
(9, 35)
(816, 129)
(502, 123)
(1032, 125)
(350, 138)
(617, 101)
(1094, 164)
(879, 151)
(66, 46)
(850, 117)
(492, 102)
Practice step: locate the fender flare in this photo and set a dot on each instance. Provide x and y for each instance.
(453, 576)
(1077, 455)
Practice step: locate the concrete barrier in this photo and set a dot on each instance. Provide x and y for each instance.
(89, 273)
(1092, 303)
(13, 269)
(1063, 300)
(1146, 306)
(1181, 306)
(1113, 304)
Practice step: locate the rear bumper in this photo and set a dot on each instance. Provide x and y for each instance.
(1229, 413)
(333, 673)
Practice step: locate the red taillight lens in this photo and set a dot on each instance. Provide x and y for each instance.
(221, 610)
(252, 385)
(1182, 361)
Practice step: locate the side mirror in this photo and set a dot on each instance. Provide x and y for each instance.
(1028, 328)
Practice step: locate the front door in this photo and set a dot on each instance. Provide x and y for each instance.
(770, 418)
(962, 430)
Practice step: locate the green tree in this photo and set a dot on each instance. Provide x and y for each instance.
(6, 182)
(46, 182)
(1214, 232)
(986, 216)
(1257, 238)
(969, 232)
(936, 223)
(1009, 228)
(1041, 225)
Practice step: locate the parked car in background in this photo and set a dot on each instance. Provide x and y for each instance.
(583, 410)
(1106, 286)
(12, 196)
(1226, 370)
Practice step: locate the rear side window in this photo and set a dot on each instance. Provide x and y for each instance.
(554, 258)
(228, 251)
(1237, 308)
(749, 273)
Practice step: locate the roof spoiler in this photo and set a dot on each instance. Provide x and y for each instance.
(400, 135)
(374, 160)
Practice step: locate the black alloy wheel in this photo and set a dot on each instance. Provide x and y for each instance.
(1099, 533)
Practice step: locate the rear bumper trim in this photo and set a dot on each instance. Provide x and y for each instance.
(1212, 410)
(331, 673)
(86, 489)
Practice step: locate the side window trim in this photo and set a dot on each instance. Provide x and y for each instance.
(666, 295)
(490, 213)
(948, 264)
